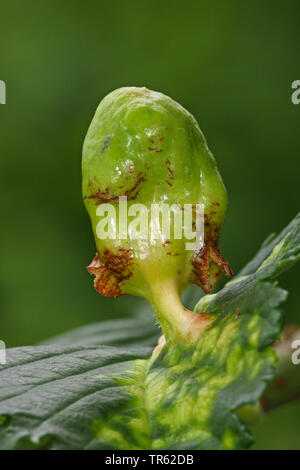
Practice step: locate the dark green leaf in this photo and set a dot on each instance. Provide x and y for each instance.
(50, 396)
(139, 330)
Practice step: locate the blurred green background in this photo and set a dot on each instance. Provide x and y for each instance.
(230, 63)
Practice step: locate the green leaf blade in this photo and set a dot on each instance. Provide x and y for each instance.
(54, 393)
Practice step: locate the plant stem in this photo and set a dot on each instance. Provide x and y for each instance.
(177, 322)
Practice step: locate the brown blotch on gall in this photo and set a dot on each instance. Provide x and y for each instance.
(180, 206)
(201, 264)
(170, 173)
(132, 193)
(111, 271)
(155, 149)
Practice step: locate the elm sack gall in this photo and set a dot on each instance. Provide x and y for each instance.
(143, 145)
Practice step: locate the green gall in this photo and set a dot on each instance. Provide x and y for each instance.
(143, 150)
